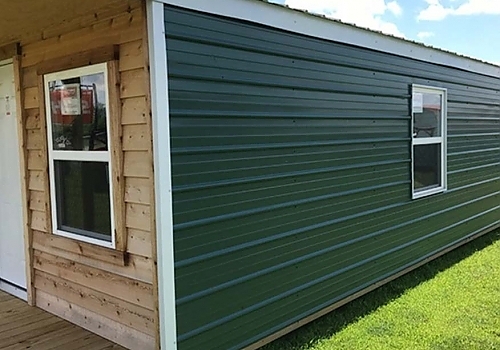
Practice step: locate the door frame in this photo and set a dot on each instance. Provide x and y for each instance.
(28, 294)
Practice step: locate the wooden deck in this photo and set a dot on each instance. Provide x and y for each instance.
(25, 327)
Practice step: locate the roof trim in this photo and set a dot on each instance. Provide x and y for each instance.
(301, 22)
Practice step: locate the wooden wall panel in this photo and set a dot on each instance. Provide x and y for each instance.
(94, 322)
(131, 56)
(36, 180)
(111, 307)
(139, 242)
(124, 288)
(137, 164)
(132, 84)
(135, 137)
(116, 300)
(134, 110)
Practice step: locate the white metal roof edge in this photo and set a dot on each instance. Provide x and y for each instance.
(297, 21)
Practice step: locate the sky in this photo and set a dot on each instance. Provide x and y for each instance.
(468, 27)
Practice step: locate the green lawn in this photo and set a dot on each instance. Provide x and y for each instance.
(452, 303)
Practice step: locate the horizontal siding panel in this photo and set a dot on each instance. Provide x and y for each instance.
(36, 160)
(32, 119)
(106, 305)
(133, 83)
(139, 242)
(131, 56)
(34, 139)
(39, 220)
(137, 190)
(36, 180)
(132, 291)
(291, 173)
(138, 267)
(137, 164)
(134, 110)
(136, 137)
(138, 216)
(254, 38)
(37, 200)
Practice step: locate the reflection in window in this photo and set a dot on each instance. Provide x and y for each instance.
(83, 198)
(428, 123)
(78, 113)
(427, 166)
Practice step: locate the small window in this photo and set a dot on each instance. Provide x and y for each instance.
(428, 140)
(79, 156)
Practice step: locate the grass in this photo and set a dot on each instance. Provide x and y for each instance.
(452, 303)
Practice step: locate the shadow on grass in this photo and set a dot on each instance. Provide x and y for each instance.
(325, 327)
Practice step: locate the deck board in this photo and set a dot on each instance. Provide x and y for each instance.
(25, 327)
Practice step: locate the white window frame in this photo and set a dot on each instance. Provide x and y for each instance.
(416, 141)
(89, 156)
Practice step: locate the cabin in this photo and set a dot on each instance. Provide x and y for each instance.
(180, 174)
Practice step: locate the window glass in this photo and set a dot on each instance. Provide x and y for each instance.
(427, 166)
(83, 198)
(78, 113)
(427, 123)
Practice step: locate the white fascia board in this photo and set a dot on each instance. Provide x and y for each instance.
(162, 174)
(300, 22)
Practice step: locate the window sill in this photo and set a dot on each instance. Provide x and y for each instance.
(88, 250)
(429, 192)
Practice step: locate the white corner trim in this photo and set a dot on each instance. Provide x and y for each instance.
(162, 174)
(276, 16)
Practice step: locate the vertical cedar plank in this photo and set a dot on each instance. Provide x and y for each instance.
(154, 257)
(21, 134)
(45, 152)
(117, 155)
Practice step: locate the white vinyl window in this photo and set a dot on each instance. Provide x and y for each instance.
(428, 140)
(77, 112)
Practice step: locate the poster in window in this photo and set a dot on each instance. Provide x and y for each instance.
(70, 100)
(418, 102)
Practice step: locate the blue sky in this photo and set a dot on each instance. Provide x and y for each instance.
(468, 27)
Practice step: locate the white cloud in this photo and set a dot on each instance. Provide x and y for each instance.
(394, 7)
(425, 35)
(479, 7)
(364, 13)
(435, 11)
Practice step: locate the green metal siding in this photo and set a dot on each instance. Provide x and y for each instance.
(291, 173)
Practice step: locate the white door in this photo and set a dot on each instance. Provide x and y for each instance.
(12, 260)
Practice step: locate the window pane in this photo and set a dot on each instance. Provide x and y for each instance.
(83, 198)
(78, 113)
(428, 122)
(427, 166)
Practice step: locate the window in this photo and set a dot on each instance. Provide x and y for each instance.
(428, 140)
(77, 110)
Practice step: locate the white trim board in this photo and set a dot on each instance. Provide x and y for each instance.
(13, 290)
(162, 174)
(296, 21)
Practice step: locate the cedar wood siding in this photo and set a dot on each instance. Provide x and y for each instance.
(115, 301)
(291, 171)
